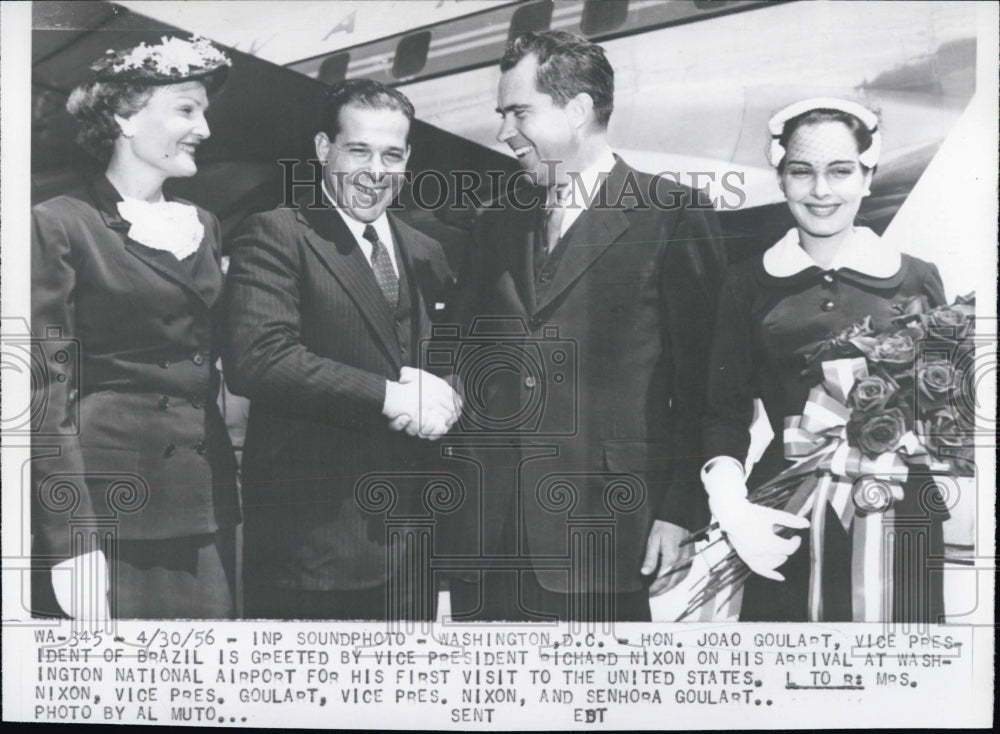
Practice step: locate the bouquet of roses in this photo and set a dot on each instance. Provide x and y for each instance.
(882, 402)
(920, 379)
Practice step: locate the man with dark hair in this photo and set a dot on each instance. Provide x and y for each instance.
(624, 266)
(326, 310)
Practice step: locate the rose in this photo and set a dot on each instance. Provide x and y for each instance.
(951, 323)
(936, 382)
(860, 329)
(871, 393)
(912, 306)
(910, 311)
(876, 433)
(896, 351)
(945, 437)
(964, 398)
(846, 343)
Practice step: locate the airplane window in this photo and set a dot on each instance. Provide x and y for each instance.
(536, 16)
(411, 54)
(603, 16)
(334, 68)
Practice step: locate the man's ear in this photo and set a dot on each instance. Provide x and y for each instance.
(580, 109)
(322, 143)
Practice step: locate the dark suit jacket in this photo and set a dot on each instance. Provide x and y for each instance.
(126, 384)
(311, 342)
(633, 295)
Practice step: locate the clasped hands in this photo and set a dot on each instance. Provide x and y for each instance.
(421, 404)
(750, 528)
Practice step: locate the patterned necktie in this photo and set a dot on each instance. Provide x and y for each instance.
(554, 217)
(382, 268)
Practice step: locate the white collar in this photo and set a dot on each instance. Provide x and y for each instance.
(584, 186)
(357, 227)
(863, 252)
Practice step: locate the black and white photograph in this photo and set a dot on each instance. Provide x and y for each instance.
(474, 364)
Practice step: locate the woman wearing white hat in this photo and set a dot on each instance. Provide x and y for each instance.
(824, 275)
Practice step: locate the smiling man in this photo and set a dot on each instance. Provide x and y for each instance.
(326, 310)
(624, 266)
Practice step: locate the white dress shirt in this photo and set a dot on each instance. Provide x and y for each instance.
(357, 228)
(584, 187)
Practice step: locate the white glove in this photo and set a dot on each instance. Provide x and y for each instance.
(748, 527)
(80, 585)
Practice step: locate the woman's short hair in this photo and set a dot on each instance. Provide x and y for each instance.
(94, 107)
(862, 135)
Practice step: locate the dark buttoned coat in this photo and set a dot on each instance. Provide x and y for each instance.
(127, 435)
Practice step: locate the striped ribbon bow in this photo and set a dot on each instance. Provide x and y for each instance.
(828, 472)
(860, 489)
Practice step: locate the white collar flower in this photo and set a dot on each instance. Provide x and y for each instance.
(165, 225)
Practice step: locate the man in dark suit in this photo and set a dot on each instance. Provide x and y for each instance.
(326, 310)
(624, 267)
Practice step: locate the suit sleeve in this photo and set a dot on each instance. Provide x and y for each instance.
(729, 412)
(470, 280)
(933, 287)
(690, 273)
(263, 356)
(214, 234)
(59, 489)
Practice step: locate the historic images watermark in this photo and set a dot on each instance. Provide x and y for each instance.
(462, 190)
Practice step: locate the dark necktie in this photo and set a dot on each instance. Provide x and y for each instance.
(555, 212)
(554, 217)
(382, 268)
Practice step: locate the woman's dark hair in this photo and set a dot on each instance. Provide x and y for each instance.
(95, 105)
(862, 135)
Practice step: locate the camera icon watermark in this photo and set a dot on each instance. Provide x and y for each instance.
(955, 376)
(52, 364)
(513, 383)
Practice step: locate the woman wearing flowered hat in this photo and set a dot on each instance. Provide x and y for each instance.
(131, 447)
(823, 276)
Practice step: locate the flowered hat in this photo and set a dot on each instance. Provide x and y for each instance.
(171, 61)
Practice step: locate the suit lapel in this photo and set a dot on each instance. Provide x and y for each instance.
(413, 266)
(590, 237)
(337, 249)
(170, 268)
(197, 280)
(522, 251)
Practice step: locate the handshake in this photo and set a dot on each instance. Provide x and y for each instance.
(421, 404)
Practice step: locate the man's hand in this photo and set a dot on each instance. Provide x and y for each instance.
(80, 585)
(421, 404)
(663, 550)
(749, 527)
